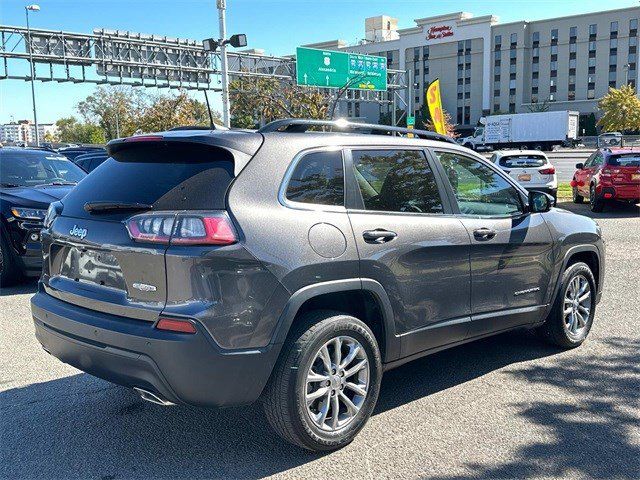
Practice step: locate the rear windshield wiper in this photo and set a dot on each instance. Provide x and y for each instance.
(56, 184)
(97, 207)
(9, 185)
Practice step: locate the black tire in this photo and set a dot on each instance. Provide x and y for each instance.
(555, 329)
(595, 203)
(9, 271)
(284, 398)
(577, 198)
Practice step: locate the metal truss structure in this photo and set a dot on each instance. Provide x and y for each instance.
(113, 57)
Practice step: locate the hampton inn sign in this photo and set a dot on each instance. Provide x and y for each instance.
(441, 31)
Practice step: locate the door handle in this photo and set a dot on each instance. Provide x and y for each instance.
(379, 235)
(484, 233)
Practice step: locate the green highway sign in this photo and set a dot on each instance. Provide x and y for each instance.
(328, 68)
(411, 121)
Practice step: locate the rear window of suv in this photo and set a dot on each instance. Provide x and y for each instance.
(522, 161)
(624, 160)
(168, 176)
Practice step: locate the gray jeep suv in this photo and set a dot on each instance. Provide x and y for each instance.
(293, 266)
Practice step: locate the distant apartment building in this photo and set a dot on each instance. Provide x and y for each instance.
(25, 131)
(488, 67)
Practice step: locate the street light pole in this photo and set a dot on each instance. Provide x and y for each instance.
(34, 8)
(222, 5)
(626, 74)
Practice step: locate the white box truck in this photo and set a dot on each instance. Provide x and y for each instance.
(539, 130)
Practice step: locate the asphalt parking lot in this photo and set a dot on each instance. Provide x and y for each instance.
(505, 407)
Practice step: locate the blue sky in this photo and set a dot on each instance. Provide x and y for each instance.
(276, 26)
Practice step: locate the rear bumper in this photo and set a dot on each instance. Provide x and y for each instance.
(180, 368)
(621, 192)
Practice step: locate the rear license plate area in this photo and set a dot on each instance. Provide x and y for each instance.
(92, 266)
(524, 177)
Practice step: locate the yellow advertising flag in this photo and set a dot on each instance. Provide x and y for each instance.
(435, 106)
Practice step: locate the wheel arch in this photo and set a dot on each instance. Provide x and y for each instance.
(588, 254)
(365, 299)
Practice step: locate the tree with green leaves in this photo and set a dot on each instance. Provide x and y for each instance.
(259, 100)
(116, 109)
(70, 130)
(620, 110)
(165, 111)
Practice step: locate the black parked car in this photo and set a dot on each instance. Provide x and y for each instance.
(73, 152)
(90, 161)
(217, 268)
(30, 179)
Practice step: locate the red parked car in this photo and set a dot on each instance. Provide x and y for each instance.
(608, 174)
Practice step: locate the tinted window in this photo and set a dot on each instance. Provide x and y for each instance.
(318, 178)
(32, 168)
(597, 160)
(625, 160)
(396, 181)
(167, 176)
(522, 161)
(478, 189)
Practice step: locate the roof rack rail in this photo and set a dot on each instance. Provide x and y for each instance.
(300, 125)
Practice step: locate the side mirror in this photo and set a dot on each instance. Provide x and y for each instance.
(579, 166)
(539, 202)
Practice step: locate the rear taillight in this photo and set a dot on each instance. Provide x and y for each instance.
(176, 325)
(182, 228)
(547, 171)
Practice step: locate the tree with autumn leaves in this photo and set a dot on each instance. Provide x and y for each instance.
(620, 110)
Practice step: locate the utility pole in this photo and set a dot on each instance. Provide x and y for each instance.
(33, 8)
(222, 5)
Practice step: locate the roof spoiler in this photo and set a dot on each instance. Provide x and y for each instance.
(298, 125)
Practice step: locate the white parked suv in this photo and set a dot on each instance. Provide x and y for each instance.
(530, 168)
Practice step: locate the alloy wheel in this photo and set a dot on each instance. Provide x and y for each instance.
(577, 306)
(337, 383)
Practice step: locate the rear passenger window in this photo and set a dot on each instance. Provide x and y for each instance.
(396, 181)
(318, 178)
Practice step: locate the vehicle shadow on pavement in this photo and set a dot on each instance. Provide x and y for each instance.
(80, 426)
(25, 287)
(592, 422)
(614, 210)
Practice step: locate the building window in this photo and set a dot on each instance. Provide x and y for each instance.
(514, 40)
(496, 107)
(573, 34)
(614, 29)
(593, 31)
(535, 38)
(633, 27)
(512, 108)
(554, 36)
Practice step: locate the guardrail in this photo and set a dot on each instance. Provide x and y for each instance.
(625, 141)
